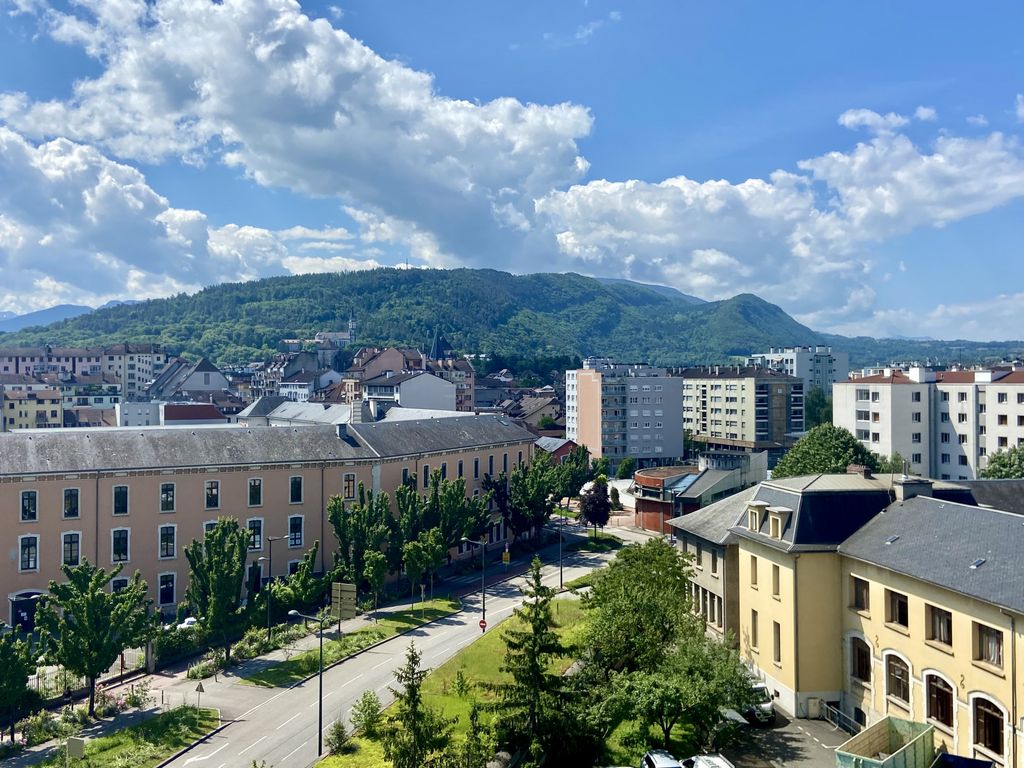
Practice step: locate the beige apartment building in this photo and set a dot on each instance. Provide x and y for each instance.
(134, 365)
(32, 409)
(137, 496)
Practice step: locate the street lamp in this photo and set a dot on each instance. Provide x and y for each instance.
(483, 574)
(270, 576)
(320, 720)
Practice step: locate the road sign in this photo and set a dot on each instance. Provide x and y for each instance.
(505, 557)
(343, 601)
(483, 624)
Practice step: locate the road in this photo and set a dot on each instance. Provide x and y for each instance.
(280, 726)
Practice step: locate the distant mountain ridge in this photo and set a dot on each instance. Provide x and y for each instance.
(42, 317)
(479, 311)
(664, 290)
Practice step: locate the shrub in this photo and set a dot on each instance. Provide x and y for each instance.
(175, 644)
(108, 705)
(253, 643)
(139, 697)
(461, 685)
(9, 749)
(212, 663)
(338, 740)
(76, 716)
(38, 727)
(367, 715)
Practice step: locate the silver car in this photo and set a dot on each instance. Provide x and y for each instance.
(659, 758)
(763, 711)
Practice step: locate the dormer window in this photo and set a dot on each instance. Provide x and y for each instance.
(752, 521)
(775, 527)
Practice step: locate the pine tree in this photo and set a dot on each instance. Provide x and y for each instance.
(415, 734)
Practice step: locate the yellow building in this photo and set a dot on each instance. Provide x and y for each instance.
(32, 409)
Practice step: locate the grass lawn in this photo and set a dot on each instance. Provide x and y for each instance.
(303, 665)
(480, 662)
(616, 753)
(364, 754)
(604, 542)
(147, 744)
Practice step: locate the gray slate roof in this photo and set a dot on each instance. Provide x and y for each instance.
(401, 438)
(551, 444)
(1007, 495)
(263, 406)
(712, 523)
(939, 540)
(312, 413)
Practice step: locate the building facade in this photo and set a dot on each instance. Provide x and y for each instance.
(619, 410)
(32, 409)
(134, 365)
(136, 497)
(818, 367)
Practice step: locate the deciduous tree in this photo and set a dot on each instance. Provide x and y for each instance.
(825, 449)
(1005, 465)
(415, 560)
(359, 527)
(85, 626)
(15, 666)
(626, 468)
(531, 494)
(595, 506)
(375, 571)
(216, 574)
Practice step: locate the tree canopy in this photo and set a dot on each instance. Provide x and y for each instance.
(1005, 465)
(16, 665)
(826, 449)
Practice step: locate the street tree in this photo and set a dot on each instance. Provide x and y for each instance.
(303, 588)
(434, 554)
(416, 734)
(826, 449)
(595, 505)
(817, 408)
(414, 558)
(1005, 465)
(527, 699)
(359, 527)
(577, 471)
(531, 494)
(216, 574)
(16, 665)
(626, 468)
(446, 508)
(375, 571)
(85, 625)
(638, 608)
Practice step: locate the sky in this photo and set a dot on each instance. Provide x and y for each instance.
(859, 164)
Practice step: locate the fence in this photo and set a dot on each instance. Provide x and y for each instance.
(51, 682)
(840, 720)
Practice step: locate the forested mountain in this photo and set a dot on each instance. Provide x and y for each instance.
(477, 310)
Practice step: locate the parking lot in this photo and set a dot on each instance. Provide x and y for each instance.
(786, 744)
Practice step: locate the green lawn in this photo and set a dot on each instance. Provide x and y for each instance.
(147, 744)
(618, 753)
(304, 664)
(364, 754)
(604, 542)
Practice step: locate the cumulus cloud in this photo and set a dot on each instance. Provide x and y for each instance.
(873, 121)
(926, 114)
(978, 120)
(78, 227)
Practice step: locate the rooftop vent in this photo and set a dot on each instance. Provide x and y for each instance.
(977, 563)
(892, 539)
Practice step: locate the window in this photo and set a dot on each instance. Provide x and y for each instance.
(961, 418)
(944, 437)
(988, 645)
(1001, 397)
(876, 397)
(255, 492)
(295, 489)
(915, 416)
(212, 494)
(944, 458)
(71, 546)
(29, 506)
(753, 570)
(939, 625)
(775, 527)
(915, 437)
(776, 642)
(167, 497)
(896, 610)
(490, 465)
(119, 545)
(476, 469)
(167, 543)
(255, 526)
(897, 678)
(944, 417)
(714, 563)
(29, 549)
(753, 630)
(460, 467)
(293, 567)
(860, 594)
(120, 499)
(348, 485)
(752, 520)
(915, 397)
(961, 397)
(209, 525)
(988, 726)
(167, 589)
(444, 470)
(295, 531)
(863, 415)
(775, 580)
(944, 396)
(915, 458)
(71, 508)
(962, 461)
(1002, 420)
(504, 462)
(860, 660)
(940, 700)
(426, 476)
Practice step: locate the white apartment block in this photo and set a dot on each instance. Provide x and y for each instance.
(621, 410)
(945, 424)
(819, 367)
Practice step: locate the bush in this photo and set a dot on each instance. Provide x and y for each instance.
(139, 697)
(212, 663)
(367, 715)
(37, 728)
(75, 716)
(176, 644)
(107, 705)
(9, 749)
(338, 740)
(253, 643)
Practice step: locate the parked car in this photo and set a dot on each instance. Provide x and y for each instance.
(659, 758)
(189, 622)
(763, 711)
(707, 761)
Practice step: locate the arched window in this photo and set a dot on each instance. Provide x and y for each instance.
(940, 700)
(988, 725)
(860, 660)
(897, 678)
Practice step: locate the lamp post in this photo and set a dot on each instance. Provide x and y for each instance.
(270, 575)
(483, 575)
(561, 521)
(320, 719)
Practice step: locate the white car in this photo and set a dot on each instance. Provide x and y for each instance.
(707, 761)
(189, 622)
(763, 711)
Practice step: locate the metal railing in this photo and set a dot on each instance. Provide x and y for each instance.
(840, 720)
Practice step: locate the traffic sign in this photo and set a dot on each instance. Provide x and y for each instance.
(483, 625)
(505, 557)
(343, 601)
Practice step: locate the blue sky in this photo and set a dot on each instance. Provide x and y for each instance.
(859, 165)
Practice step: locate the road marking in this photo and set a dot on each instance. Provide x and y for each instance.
(356, 677)
(282, 725)
(205, 757)
(285, 760)
(261, 738)
(386, 661)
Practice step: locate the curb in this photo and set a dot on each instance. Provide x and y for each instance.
(189, 747)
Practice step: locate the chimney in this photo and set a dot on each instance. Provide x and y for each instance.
(908, 487)
(859, 469)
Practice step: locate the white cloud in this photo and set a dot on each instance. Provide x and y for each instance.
(76, 226)
(926, 114)
(873, 121)
(978, 120)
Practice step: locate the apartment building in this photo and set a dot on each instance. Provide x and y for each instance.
(32, 409)
(742, 408)
(618, 410)
(134, 365)
(412, 389)
(945, 424)
(137, 496)
(819, 367)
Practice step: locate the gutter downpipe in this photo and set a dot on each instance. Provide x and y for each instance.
(796, 640)
(323, 515)
(96, 519)
(1013, 683)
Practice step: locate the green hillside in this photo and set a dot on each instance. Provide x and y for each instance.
(478, 311)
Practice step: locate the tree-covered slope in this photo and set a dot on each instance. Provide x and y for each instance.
(477, 310)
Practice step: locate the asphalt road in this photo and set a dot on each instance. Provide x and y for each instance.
(280, 726)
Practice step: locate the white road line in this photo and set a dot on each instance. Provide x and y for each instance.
(285, 760)
(261, 738)
(205, 757)
(282, 725)
(386, 661)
